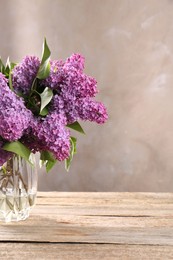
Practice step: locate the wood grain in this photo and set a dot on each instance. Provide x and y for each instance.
(23, 251)
(109, 203)
(111, 223)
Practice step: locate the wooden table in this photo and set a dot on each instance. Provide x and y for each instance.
(69, 226)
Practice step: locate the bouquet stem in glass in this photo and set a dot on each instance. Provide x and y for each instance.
(18, 188)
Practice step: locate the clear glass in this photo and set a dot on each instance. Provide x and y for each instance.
(18, 188)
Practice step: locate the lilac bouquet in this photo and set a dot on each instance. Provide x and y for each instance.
(40, 101)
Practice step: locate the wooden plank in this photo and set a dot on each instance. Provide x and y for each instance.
(37, 251)
(91, 230)
(108, 203)
(121, 195)
(97, 218)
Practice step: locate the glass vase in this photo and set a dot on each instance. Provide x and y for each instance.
(18, 188)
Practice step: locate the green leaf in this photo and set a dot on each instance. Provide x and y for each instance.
(44, 112)
(34, 85)
(77, 127)
(12, 65)
(19, 149)
(68, 161)
(7, 67)
(47, 159)
(7, 70)
(2, 67)
(49, 165)
(10, 81)
(46, 97)
(4, 169)
(74, 140)
(44, 68)
(47, 156)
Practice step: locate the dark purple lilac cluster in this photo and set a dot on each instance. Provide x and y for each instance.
(72, 100)
(52, 135)
(4, 155)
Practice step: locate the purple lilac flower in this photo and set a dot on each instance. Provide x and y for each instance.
(79, 84)
(57, 75)
(75, 61)
(80, 109)
(14, 116)
(4, 155)
(32, 141)
(65, 106)
(24, 73)
(69, 76)
(50, 134)
(92, 110)
(75, 92)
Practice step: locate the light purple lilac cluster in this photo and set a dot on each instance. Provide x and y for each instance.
(14, 116)
(75, 91)
(73, 100)
(25, 73)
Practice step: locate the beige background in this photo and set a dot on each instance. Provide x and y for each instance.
(128, 45)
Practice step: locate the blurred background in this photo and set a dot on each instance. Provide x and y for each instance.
(128, 46)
